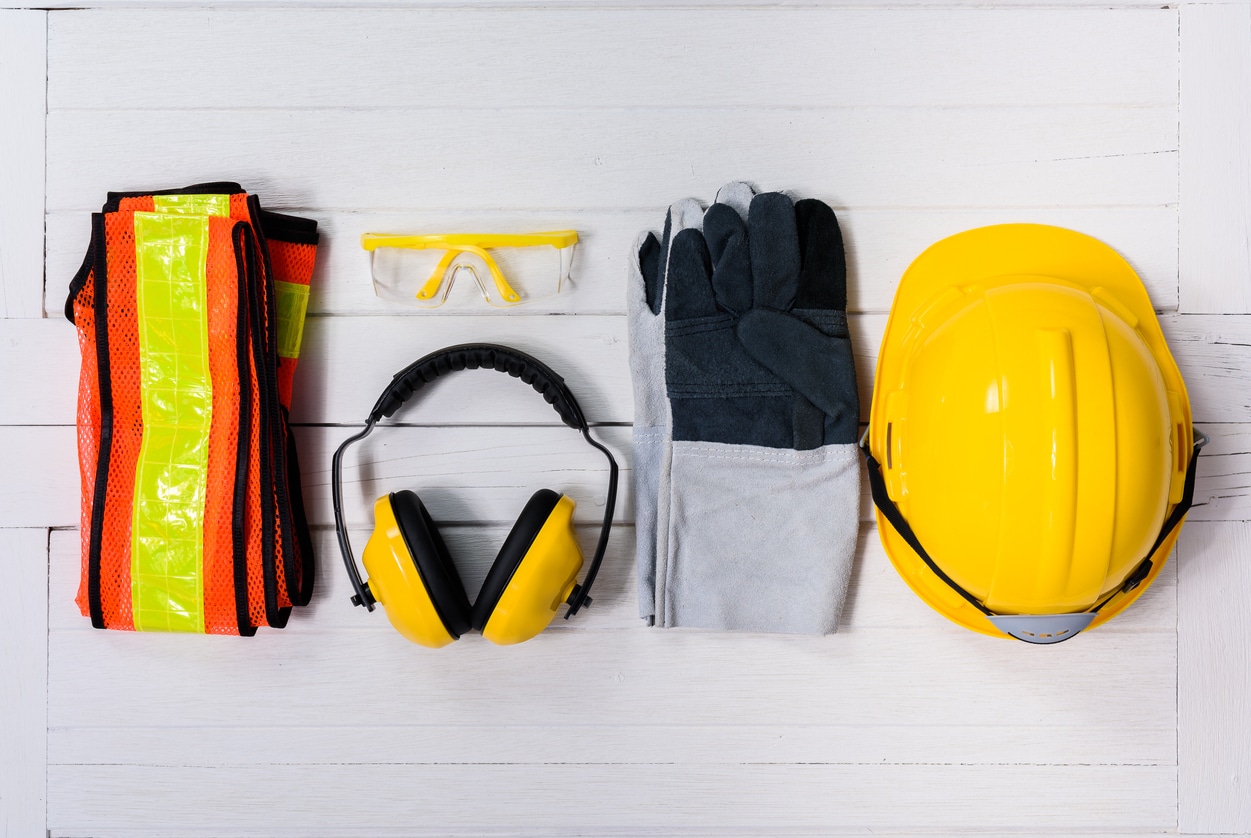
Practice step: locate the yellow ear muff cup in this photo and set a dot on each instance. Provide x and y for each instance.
(516, 545)
(433, 562)
(543, 578)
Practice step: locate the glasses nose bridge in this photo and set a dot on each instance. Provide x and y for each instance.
(505, 291)
(454, 271)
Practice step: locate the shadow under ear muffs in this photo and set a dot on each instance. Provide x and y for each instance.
(410, 571)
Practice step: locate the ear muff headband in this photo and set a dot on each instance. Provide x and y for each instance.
(453, 359)
(472, 356)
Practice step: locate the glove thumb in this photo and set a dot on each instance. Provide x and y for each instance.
(818, 365)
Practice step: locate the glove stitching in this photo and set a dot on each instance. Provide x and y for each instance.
(845, 452)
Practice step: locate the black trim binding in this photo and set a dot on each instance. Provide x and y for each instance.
(304, 537)
(288, 228)
(256, 340)
(221, 187)
(243, 447)
(104, 381)
(277, 426)
(84, 271)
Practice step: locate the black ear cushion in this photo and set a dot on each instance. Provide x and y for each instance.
(518, 542)
(433, 562)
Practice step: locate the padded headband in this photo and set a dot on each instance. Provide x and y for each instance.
(472, 356)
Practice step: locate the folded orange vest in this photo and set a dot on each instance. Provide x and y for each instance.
(190, 309)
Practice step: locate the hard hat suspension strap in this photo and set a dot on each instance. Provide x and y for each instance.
(884, 503)
(881, 498)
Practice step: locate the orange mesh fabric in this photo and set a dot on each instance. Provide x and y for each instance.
(220, 613)
(123, 339)
(256, 552)
(88, 411)
(293, 262)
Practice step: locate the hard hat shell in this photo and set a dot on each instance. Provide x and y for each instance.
(1031, 424)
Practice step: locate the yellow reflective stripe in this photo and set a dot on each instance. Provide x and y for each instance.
(167, 535)
(193, 204)
(292, 306)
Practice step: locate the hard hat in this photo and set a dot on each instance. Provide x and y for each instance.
(1030, 449)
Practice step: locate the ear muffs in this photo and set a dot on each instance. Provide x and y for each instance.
(411, 574)
(535, 571)
(433, 562)
(409, 570)
(514, 549)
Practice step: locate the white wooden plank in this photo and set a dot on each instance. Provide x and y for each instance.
(337, 383)
(877, 597)
(949, 676)
(1223, 487)
(24, 685)
(1215, 167)
(880, 245)
(646, 5)
(677, 58)
(753, 799)
(634, 158)
(1214, 355)
(23, 79)
(38, 372)
(40, 488)
(1214, 678)
(408, 742)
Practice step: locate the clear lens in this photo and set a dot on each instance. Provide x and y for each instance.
(470, 276)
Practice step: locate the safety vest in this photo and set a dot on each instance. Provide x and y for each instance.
(190, 310)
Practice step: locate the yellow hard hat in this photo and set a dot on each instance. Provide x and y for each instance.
(1030, 449)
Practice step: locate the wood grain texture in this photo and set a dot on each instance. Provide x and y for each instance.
(677, 58)
(634, 800)
(23, 682)
(1005, 157)
(1215, 255)
(407, 741)
(625, 676)
(23, 79)
(1214, 678)
(641, 5)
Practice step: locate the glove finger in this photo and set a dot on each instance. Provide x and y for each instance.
(649, 269)
(817, 365)
(823, 275)
(738, 195)
(774, 246)
(686, 214)
(726, 235)
(688, 288)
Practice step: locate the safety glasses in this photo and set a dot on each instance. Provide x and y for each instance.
(505, 269)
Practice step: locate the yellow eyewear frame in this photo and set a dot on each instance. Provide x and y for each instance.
(477, 244)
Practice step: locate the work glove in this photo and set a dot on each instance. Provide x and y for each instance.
(758, 490)
(645, 320)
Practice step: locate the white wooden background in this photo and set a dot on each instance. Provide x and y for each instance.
(1127, 120)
